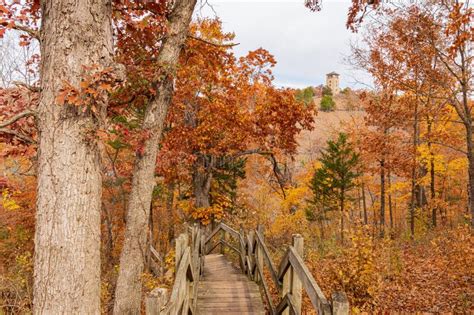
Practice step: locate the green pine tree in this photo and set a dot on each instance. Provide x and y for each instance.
(327, 104)
(336, 177)
(305, 95)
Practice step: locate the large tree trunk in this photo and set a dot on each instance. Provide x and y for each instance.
(202, 178)
(132, 259)
(67, 238)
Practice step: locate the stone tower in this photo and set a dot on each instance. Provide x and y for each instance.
(332, 82)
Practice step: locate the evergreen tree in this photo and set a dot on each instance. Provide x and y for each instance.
(336, 177)
(305, 95)
(327, 103)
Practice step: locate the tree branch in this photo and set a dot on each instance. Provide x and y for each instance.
(33, 33)
(212, 43)
(27, 86)
(20, 136)
(449, 147)
(16, 117)
(250, 152)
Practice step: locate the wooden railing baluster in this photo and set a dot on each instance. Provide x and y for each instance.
(259, 252)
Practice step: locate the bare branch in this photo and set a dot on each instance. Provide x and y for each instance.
(449, 147)
(33, 33)
(250, 152)
(212, 43)
(27, 86)
(20, 136)
(16, 117)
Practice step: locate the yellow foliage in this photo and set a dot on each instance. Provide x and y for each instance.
(357, 272)
(8, 203)
(287, 224)
(149, 281)
(295, 198)
(425, 156)
(170, 260)
(456, 165)
(206, 214)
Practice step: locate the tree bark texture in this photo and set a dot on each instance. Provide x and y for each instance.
(74, 33)
(132, 259)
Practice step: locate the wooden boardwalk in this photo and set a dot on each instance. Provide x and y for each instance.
(207, 283)
(223, 289)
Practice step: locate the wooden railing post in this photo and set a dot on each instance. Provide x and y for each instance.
(259, 252)
(291, 283)
(296, 284)
(180, 247)
(250, 253)
(242, 249)
(195, 264)
(340, 304)
(155, 300)
(222, 233)
(224, 239)
(203, 249)
(183, 291)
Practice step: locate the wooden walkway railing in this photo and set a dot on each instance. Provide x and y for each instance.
(183, 297)
(290, 276)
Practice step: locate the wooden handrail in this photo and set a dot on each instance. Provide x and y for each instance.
(224, 227)
(183, 296)
(315, 294)
(184, 273)
(266, 256)
(227, 244)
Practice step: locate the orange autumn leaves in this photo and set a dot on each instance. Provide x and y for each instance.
(224, 106)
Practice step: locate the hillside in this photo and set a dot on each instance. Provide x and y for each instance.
(326, 126)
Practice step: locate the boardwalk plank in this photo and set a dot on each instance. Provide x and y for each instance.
(225, 290)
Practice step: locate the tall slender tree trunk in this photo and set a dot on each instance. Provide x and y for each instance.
(432, 175)
(359, 208)
(382, 197)
(342, 201)
(132, 259)
(321, 228)
(109, 247)
(470, 158)
(170, 210)
(151, 226)
(390, 203)
(466, 115)
(414, 200)
(364, 205)
(67, 236)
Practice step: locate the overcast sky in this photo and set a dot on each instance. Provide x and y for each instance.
(306, 44)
